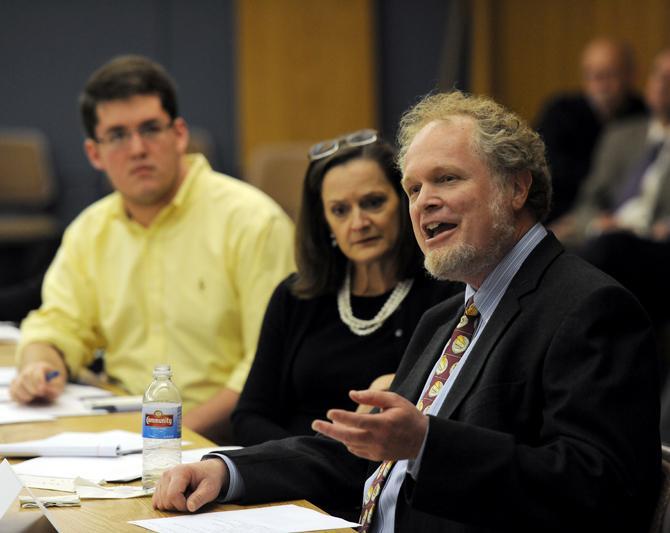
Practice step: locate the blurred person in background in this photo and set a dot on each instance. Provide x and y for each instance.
(176, 266)
(571, 124)
(621, 220)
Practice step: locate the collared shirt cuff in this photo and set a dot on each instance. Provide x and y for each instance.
(414, 465)
(235, 481)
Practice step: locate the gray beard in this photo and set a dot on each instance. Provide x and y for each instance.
(465, 261)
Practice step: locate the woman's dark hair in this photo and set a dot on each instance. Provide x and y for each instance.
(321, 266)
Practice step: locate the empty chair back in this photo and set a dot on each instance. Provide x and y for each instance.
(279, 169)
(26, 179)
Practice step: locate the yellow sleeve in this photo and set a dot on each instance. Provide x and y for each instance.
(263, 259)
(68, 314)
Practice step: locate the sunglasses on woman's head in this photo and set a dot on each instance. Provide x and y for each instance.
(331, 146)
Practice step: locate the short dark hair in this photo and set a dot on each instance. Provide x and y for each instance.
(321, 266)
(121, 78)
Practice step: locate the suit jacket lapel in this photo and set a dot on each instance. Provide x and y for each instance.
(524, 281)
(503, 315)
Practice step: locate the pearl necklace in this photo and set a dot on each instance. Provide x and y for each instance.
(365, 327)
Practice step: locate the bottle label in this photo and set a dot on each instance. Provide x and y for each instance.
(161, 421)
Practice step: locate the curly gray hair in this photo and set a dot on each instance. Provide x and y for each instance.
(506, 142)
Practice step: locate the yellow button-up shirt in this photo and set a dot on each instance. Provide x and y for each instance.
(190, 290)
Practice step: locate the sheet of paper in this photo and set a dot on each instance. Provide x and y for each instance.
(115, 404)
(124, 468)
(77, 444)
(9, 332)
(10, 487)
(48, 483)
(73, 391)
(95, 469)
(43, 509)
(10, 416)
(193, 456)
(12, 412)
(81, 392)
(7, 374)
(86, 489)
(29, 502)
(278, 518)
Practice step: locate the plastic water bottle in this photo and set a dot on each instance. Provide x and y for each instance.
(161, 426)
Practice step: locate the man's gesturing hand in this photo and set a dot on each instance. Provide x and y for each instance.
(189, 487)
(396, 432)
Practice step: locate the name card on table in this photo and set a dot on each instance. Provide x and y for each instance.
(10, 487)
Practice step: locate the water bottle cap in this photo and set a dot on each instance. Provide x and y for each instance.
(162, 370)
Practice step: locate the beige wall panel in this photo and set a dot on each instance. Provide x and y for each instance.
(306, 70)
(531, 48)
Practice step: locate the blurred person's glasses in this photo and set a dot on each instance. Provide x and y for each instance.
(331, 146)
(119, 138)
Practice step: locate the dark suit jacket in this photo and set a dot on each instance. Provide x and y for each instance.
(552, 424)
(621, 149)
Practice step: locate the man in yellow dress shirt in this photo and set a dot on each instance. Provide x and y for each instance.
(176, 266)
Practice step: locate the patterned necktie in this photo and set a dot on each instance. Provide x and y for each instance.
(631, 187)
(458, 343)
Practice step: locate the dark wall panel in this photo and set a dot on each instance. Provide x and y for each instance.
(48, 49)
(416, 53)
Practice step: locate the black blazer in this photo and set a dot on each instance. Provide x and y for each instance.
(552, 424)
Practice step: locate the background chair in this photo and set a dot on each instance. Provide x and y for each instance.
(29, 233)
(661, 520)
(279, 169)
(27, 186)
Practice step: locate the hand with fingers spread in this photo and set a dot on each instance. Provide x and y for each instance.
(396, 432)
(41, 380)
(189, 487)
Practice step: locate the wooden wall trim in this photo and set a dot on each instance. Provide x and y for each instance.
(306, 70)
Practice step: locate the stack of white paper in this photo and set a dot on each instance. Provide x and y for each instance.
(44, 471)
(72, 402)
(96, 469)
(73, 393)
(77, 444)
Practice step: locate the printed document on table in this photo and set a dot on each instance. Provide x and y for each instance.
(96, 469)
(12, 412)
(275, 519)
(77, 444)
(124, 468)
(73, 392)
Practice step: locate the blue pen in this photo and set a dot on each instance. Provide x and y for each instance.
(52, 374)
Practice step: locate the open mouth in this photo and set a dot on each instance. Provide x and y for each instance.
(435, 228)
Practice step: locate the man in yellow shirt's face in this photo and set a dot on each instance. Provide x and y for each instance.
(139, 147)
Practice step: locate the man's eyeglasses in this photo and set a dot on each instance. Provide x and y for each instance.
(331, 146)
(119, 138)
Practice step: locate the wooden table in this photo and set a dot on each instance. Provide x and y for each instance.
(94, 516)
